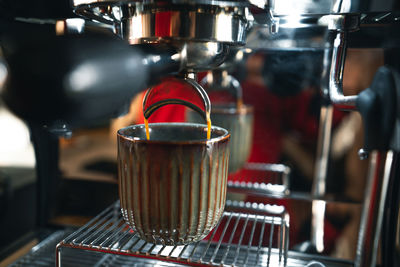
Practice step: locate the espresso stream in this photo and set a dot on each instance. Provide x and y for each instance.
(208, 119)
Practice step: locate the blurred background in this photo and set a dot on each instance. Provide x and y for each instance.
(283, 76)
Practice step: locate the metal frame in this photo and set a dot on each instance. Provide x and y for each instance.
(107, 233)
(275, 182)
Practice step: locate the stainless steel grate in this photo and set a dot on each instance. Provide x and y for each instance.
(39, 254)
(380, 18)
(240, 239)
(261, 178)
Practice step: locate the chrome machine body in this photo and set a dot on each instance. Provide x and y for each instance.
(203, 34)
(228, 22)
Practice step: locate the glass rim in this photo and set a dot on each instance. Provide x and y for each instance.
(224, 136)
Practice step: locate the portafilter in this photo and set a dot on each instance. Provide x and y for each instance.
(202, 31)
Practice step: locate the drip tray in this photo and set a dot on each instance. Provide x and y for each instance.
(240, 239)
(248, 234)
(106, 241)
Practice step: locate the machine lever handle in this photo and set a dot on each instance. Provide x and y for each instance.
(377, 106)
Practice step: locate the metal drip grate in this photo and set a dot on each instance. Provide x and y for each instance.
(240, 239)
(261, 178)
(381, 18)
(43, 253)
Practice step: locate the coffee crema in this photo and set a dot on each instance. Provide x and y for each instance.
(208, 119)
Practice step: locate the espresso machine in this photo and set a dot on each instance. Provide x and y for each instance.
(70, 66)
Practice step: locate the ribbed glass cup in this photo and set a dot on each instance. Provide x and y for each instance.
(172, 187)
